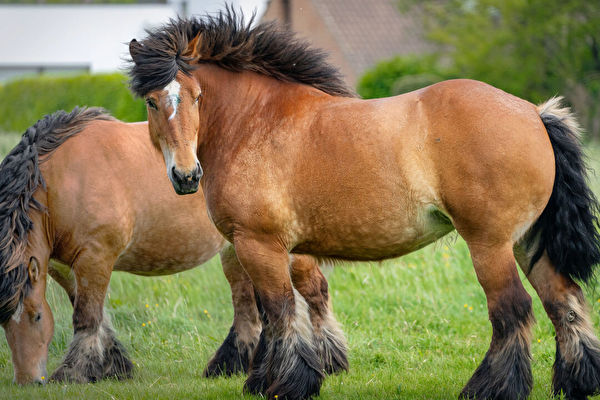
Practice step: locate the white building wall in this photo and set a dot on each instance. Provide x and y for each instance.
(74, 35)
(89, 37)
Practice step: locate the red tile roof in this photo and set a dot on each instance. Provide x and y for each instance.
(371, 30)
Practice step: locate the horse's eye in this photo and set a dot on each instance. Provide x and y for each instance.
(197, 99)
(151, 104)
(37, 317)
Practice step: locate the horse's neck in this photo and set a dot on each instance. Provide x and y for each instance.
(242, 104)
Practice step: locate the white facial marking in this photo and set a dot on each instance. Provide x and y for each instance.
(173, 96)
(17, 315)
(169, 158)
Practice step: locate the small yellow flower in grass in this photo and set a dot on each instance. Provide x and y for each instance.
(149, 322)
(446, 248)
(43, 378)
(466, 306)
(205, 311)
(156, 305)
(276, 396)
(147, 305)
(471, 308)
(539, 340)
(143, 324)
(598, 300)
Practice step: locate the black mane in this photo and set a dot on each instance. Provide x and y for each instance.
(20, 177)
(227, 41)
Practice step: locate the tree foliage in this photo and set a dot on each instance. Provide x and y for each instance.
(534, 49)
(400, 75)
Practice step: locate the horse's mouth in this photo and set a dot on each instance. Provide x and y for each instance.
(186, 187)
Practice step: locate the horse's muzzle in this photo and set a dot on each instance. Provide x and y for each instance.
(186, 183)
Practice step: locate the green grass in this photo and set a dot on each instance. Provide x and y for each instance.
(417, 329)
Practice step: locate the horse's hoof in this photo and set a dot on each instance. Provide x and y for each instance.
(67, 374)
(116, 362)
(228, 360)
(60, 375)
(580, 380)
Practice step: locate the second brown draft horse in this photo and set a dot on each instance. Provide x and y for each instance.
(83, 194)
(291, 162)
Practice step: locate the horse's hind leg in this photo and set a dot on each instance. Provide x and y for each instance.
(505, 372)
(329, 338)
(234, 354)
(577, 364)
(94, 352)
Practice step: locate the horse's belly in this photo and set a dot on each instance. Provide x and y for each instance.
(169, 253)
(380, 239)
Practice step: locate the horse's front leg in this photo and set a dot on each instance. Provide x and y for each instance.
(94, 352)
(286, 362)
(236, 351)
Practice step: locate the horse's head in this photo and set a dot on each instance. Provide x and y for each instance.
(29, 330)
(173, 121)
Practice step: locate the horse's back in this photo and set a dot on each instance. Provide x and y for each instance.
(107, 189)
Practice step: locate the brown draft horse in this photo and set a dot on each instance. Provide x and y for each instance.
(292, 163)
(89, 193)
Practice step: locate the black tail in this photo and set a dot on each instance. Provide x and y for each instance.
(568, 227)
(20, 177)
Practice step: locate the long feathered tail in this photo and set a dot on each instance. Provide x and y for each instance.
(20, 177)
(568, 227)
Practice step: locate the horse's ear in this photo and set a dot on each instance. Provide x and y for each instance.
(192, 48)
(34, 270)
(134, 50)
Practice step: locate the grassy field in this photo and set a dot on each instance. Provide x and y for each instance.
(417, 329)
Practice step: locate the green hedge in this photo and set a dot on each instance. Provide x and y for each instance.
(23, 102)
(400, 75)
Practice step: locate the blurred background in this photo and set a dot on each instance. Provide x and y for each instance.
(55, 54)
